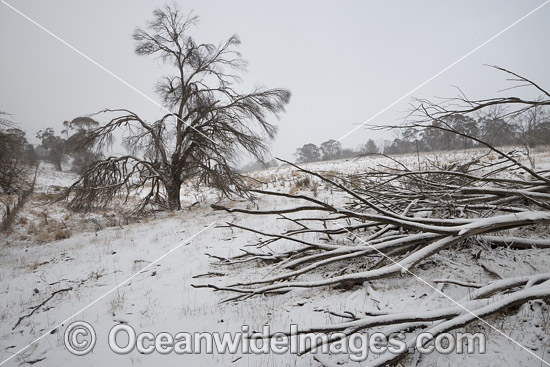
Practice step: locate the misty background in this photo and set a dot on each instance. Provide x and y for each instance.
(342, 61)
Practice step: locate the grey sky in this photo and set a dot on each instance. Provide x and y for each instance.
(343, 60)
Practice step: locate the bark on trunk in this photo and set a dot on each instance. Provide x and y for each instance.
(173, 193)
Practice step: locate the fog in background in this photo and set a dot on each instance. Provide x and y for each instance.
(343, 61)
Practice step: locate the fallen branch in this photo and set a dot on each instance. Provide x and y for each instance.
(35, 308)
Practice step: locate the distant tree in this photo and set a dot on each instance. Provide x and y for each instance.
(466, 125)
(54, 146)
(257, 165)
(497, 130)
(16, 142)
(307, 153)
(330, 149)
(438, 139)
(404, 142)
(79, 125)
(15, 157)
(77, 132)
(347, 153)
(385, 144)
(29, 155)
(534, 127)
(209, 123)
(370, 147)
(398, 146)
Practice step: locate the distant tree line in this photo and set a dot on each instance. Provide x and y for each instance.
(331, 149)
(259, 165)
(17, 155)
(529, 129)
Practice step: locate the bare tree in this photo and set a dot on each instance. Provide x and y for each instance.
(208, 124)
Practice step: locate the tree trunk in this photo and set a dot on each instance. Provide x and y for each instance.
(173, 193)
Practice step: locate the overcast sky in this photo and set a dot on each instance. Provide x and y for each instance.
(344, 61)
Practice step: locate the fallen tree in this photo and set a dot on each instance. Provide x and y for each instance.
(397, 217)
(382, 225)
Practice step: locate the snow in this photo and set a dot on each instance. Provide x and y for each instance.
(48, 179)
(105, 248)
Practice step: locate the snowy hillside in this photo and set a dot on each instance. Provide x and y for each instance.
(113, 267)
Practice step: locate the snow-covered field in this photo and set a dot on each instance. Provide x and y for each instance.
(86, 256)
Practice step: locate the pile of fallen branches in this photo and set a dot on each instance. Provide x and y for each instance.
(395, 219)
(398, 216)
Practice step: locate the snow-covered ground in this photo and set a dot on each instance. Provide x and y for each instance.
(86, 256)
